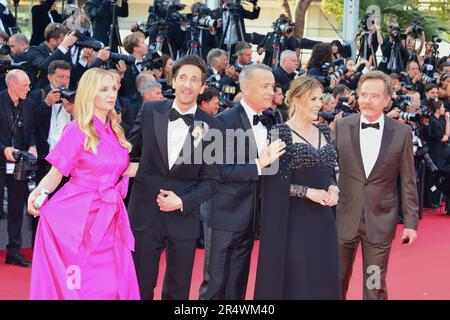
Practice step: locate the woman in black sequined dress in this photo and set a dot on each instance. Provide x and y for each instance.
(298, 257)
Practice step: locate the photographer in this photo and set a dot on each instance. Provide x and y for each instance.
(351, 77)
(53, 111)
(42, 15)
(370, 38)
(282, 36)
(55, 47)
(285, 73)
(19, 51)
(319, 66)
(278, 105)
(233, 14)
(218, 65)
(100, 13)
(431, 91)
(436, 137)
(198, 35)
(395, 54)
(413, 32)
(135, 45)
(244, 55)
(16, 134)
(414, 77)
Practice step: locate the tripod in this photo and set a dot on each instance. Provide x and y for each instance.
(232, 14)
(366, 46)
(114, 29)
(276, 50)
(16, 28)
(194, 47)
(392, 65)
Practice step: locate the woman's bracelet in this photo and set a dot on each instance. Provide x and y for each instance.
(298, 191)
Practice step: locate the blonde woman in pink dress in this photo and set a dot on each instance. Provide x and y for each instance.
(84, 240)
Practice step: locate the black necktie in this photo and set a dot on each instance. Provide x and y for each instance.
(187, 118)
(370, 125)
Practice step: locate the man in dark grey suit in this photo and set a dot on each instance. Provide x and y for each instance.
(373, 151)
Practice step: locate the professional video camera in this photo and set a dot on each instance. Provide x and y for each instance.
(225, 91)
(25, 164)
(201, 17)
(283, 25)
(163, 15)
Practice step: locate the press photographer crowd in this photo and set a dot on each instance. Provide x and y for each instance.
(52, 86)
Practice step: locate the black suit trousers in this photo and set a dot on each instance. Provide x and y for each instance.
(17, 194)
(180, 254)
(227, 264)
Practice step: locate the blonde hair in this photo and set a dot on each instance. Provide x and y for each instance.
(299, 88)
(87, 89)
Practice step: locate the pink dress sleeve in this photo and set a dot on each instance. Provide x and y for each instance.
(68, 149)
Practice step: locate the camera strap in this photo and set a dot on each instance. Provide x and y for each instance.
(15, 123)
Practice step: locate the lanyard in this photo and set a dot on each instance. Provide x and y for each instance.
(15, 123)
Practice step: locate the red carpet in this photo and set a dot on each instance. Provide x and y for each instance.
(417, 272)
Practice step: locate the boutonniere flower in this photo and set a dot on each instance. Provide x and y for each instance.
(199, 132)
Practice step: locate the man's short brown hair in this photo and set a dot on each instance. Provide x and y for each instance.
(54, 31)
(131, 41)
(377, 75)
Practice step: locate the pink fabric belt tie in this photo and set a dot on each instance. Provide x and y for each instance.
(111, 207)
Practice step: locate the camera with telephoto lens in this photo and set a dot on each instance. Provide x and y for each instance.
(85, 41)
(396, 34)
(201, 17)
(283, 25)
(67, 94)
(116, 57)
(234, 6)
(25, 164)
(224, 91)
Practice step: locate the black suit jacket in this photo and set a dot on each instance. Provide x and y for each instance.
(193, 183)
(283, 78)
(100, 14)
(40, 20)
(39, 57)
(128, 86)
(42, 119)
(6, 123)
(234, 204)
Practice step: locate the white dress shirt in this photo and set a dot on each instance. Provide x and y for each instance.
(177, 132)
(259, 131)
(370, 143)
(59, 119)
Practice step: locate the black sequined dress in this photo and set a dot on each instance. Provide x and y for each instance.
(298, 256)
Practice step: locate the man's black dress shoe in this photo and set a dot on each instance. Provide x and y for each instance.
(17, 259)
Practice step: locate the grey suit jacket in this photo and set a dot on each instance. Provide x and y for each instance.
(377, 194)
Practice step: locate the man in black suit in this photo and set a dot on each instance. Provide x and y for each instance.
(19, 51)
(41, 16)
(218, 65)
(169, 187)
(234, 208)
(16, 134)
(100, 14)
(235, 22)
(135, 45)
(285, 73)
(55, 47)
